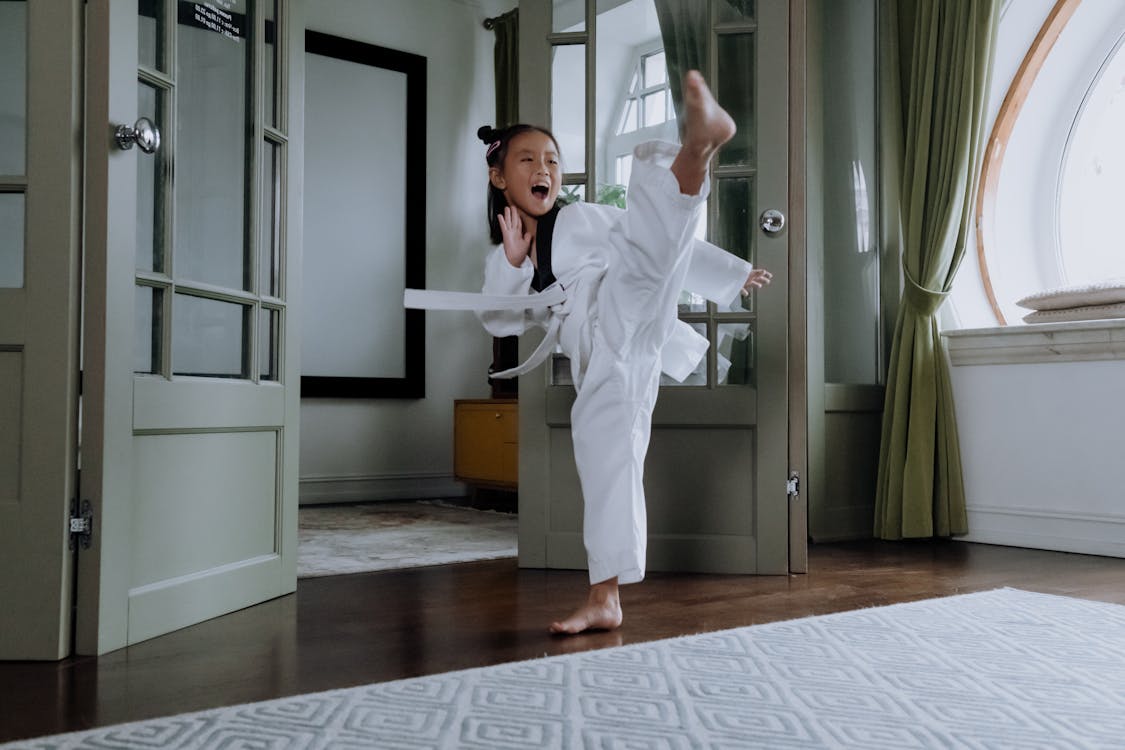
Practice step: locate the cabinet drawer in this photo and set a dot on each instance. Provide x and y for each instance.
(486, 442)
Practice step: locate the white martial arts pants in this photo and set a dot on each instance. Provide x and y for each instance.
(636, 311)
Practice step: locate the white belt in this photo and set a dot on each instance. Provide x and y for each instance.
(553, 296)
(427, 299)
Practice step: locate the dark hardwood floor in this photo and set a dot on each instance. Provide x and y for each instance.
(371, 627)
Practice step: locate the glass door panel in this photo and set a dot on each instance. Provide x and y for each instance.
(846, 184)
(210, 338)
(269, 266)
(150, 185)
(13, 88)
(213, 57)
(150, 34)
(568, 104)
(270, 64)
(11, 240)
(735, 91)
(269, 332)
(13, 141)
(568, 16)
(148, 329)
(735, 11)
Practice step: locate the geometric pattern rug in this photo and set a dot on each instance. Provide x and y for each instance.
(996, 669)
(340, 539)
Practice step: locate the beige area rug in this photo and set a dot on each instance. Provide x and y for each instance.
(340, 539)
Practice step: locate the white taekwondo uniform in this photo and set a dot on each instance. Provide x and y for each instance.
(622, 272)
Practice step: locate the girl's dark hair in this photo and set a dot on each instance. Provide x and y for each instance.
(495, 158)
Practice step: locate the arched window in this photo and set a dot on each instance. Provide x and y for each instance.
(1091, 200)
(1051, 204)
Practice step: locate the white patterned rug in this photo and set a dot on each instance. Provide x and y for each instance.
(998, 669)
(340, 539)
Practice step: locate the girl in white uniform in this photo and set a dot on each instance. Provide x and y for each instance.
(622, 272)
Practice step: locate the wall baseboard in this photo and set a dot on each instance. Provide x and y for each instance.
(1082, 533)
(319, 490)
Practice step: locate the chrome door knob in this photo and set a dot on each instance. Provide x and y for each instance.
(143, 133)
(772, 221)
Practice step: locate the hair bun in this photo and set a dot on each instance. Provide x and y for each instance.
(488, 134)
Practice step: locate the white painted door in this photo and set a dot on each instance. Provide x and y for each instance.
(40, 218)
(715, 478)
(191, 381)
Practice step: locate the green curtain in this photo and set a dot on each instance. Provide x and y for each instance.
(506, 57)
(944, 52)
(684, 32)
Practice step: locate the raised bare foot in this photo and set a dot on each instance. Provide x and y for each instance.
(707, 126)
(602, 611)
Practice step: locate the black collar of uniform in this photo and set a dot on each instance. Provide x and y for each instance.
(544, 229)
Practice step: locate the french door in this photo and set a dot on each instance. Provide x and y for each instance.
(189, 381)
(716, 477)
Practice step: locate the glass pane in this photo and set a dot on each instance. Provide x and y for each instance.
(268, 333)
(568, 104)
(735, 10)
(572, 193)
(11, 239)
(691, 302)
(655, 71)
(13, 88)
(630, 120)
(568, 15)
(734, 229)
(1091, 222)
(842, 191)
(269, 268)
(212, 61)
(735, 92)
(654, 109)
(735, 354)
(269, 73)
(209, 338)
(623, 169)
(150, 36)
(148, 327)
(610, 194)
(150, 186)
(699, 374)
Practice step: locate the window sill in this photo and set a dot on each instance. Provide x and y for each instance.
(1074, 341)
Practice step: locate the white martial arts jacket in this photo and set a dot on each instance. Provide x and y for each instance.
(580, 255)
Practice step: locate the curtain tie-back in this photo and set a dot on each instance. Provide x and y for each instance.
(925, 301)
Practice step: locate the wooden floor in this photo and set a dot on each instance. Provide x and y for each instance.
(372, 627)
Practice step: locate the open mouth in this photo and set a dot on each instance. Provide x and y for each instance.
(540, 191)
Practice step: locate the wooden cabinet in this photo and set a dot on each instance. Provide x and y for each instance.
(486, 442)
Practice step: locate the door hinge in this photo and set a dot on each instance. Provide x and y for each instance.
(793, 484)
(81, 524)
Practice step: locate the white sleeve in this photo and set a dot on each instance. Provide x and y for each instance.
(716, 274)
(501, 277)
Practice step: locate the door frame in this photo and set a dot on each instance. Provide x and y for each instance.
(798, 290)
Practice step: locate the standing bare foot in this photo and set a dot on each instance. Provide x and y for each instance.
(707, 126)
(602, 611)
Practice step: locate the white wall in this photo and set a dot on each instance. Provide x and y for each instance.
(382, 448)
(1039, 415)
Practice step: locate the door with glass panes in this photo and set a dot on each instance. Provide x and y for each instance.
(40, 220)
(717, 465)
(191, 381)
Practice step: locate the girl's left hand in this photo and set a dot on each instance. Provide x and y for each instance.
(758, 278)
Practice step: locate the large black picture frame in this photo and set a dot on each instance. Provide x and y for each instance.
(412, 384)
